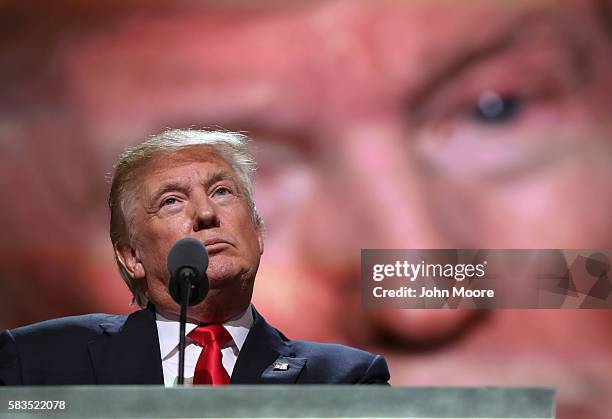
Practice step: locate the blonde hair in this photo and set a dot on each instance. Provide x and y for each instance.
(231, 146)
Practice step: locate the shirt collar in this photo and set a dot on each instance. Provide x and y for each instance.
(168, 331)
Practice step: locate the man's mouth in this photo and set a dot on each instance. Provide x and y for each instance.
(216, 245)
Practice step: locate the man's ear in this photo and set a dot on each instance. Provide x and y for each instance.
(259, 226)
(260, 239)
(128, 258)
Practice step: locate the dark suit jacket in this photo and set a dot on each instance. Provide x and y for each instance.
(112, 349)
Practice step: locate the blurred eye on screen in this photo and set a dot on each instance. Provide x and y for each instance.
(496, 124)
(506, 113)
(491, 108)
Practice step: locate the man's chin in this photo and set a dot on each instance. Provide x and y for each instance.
(218, 282)
(224, 273)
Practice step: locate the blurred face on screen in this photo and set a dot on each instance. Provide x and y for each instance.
(387, 124)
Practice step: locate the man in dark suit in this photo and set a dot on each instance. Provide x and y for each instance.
(181, 184)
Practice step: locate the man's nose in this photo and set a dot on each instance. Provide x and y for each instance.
(204, 212)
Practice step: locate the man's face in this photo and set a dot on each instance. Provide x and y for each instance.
(194, 193)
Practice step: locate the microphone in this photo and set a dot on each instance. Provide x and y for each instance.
(188, 284)
(187, 263)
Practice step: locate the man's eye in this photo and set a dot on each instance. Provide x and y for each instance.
(222, 191)
(493, 108)
(168, 201)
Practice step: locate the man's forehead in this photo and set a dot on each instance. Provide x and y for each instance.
(162, 165)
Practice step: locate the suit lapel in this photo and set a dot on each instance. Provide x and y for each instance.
(265, 357)
(128, 353)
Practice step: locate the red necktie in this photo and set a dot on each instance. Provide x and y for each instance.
(209, 368)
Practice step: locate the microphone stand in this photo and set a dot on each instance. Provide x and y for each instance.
(186, 277)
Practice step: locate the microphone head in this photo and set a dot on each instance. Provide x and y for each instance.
(188, 256)
(187, 252)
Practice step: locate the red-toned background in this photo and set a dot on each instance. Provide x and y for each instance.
(417, 124)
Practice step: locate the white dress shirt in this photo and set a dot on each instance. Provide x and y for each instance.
(168, 332)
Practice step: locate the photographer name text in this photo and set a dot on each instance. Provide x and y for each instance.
(430, 271)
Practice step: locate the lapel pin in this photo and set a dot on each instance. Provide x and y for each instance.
(280, 366)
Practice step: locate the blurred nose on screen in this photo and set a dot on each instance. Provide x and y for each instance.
(376, 196)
